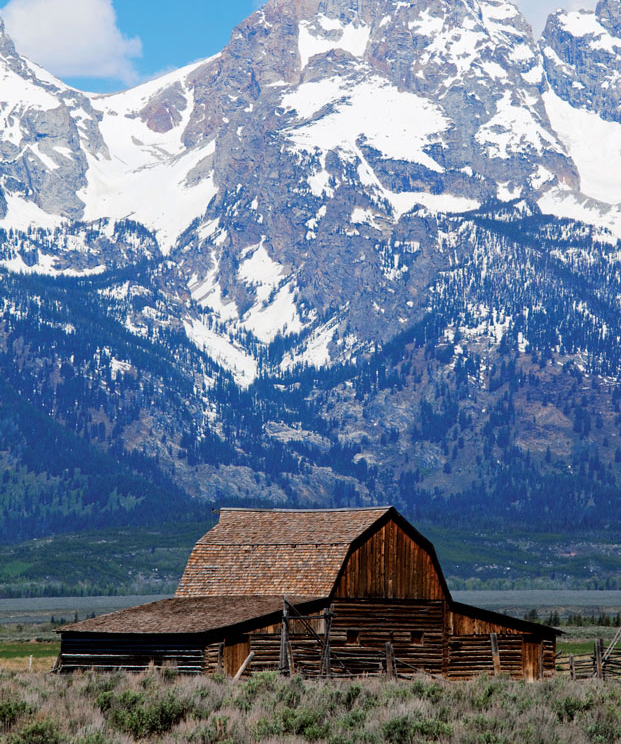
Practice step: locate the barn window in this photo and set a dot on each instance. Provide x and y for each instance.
(353, 637)
(417, 637)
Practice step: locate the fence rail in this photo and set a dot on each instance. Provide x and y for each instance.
(601, 664)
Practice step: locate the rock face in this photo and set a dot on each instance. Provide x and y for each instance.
(582, 58)
(47, 131)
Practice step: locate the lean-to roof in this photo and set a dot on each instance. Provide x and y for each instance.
(275, 551)
(186, 615)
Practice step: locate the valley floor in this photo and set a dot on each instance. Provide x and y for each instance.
(121, 709)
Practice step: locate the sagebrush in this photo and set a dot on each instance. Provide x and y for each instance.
(121, 708)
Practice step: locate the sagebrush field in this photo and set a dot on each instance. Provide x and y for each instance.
(161, 707)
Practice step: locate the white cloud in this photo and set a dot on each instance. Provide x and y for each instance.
(72, 37)
(537, 11)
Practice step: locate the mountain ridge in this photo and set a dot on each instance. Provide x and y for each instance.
(338, 263)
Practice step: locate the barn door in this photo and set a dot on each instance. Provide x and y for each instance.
(235, 652)
(531, 659)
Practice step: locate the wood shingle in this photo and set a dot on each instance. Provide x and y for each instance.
(271, 552)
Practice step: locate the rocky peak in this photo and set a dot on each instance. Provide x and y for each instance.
(582, 58)
(609, 14)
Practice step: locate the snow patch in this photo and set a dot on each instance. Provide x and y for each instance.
(582, 23)
(316, 351)
(514, 130)
(261, 271)
(397, 123)
(331, 34)
(223, 351)
(593, 144)
(208, 293)
(280, 316)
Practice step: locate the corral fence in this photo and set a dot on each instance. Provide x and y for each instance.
(603, 663)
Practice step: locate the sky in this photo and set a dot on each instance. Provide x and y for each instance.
(109, 45)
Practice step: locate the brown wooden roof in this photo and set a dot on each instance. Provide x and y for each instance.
(186, 615)
(275, 552)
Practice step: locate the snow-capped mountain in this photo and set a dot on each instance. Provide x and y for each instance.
(323, 128)
(348, 181)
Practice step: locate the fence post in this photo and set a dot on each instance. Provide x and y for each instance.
(290, 659)
(599, 666)
(572, 667)
(541, 660)
(284, 638)
(390, 661)
(495, 653)
(327, 628)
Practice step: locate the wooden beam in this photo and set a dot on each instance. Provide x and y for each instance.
(390, 661)
(243, 667)
(612, 646)
(327, 628)
(220, 662)
(284, 638)
(599, 666)
(495, 653)
(290, 658)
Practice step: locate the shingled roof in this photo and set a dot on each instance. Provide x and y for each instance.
(186, 615)
(275, 551)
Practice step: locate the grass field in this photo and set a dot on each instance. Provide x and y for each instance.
(161, 707)
(16, 656)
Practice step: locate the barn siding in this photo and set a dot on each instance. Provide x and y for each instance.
(415, 629)
(106, 652)
(522, 655)
(391, 565)
(460, 624)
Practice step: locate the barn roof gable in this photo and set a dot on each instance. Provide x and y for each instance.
(276, 551)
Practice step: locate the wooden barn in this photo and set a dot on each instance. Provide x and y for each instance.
(336, 592)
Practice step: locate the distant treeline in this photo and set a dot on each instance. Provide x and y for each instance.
(555, 619)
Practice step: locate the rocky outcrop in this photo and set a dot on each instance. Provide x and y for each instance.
(582, 58)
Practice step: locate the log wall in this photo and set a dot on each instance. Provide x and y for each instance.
(390, 565)
(471, 655)
(359, 632)
(416, 630)
(135, 652)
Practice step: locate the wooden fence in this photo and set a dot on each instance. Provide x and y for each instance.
(603, 663)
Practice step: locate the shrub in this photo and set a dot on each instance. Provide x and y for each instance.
(353, 720)
(257, 685)
(40, 732)
(309, 724)
(214, 732)
(432, 692)
(132, 713)
(99, 683)
(97, 737)
(484, 698)
(568, 707)
(10, 711)
(405, 729)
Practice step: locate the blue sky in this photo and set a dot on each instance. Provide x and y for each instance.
(107, 45)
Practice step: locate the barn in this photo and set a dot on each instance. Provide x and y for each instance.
(335, 592)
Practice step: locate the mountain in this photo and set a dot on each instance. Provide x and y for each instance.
(368, 253)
